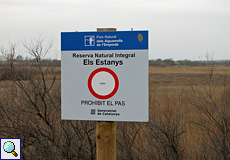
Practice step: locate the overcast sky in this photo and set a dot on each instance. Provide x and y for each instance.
(178, 29)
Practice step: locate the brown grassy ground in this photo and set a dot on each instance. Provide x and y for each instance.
(185, 76)
(168, 84)
(169, 89)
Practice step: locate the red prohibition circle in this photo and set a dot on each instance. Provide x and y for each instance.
(91, 88)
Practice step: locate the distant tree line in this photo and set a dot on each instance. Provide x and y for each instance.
(153, 62)
(170, 62)
(44, 62)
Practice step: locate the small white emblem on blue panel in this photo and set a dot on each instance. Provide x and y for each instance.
(89, 40)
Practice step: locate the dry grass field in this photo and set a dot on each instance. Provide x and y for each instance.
(189, 117)
(186, 76)
(186, 93)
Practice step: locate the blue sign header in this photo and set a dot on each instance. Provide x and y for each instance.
(108, 40)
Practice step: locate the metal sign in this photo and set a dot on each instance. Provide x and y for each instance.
(104, 76)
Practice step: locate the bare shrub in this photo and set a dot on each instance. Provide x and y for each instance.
(213, 105)
(30, 110)
(5, 73)
(166, 129)
(129, 141)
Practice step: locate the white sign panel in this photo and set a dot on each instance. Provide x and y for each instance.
(104, 76)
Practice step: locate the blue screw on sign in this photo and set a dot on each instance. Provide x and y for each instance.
(9, 147)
